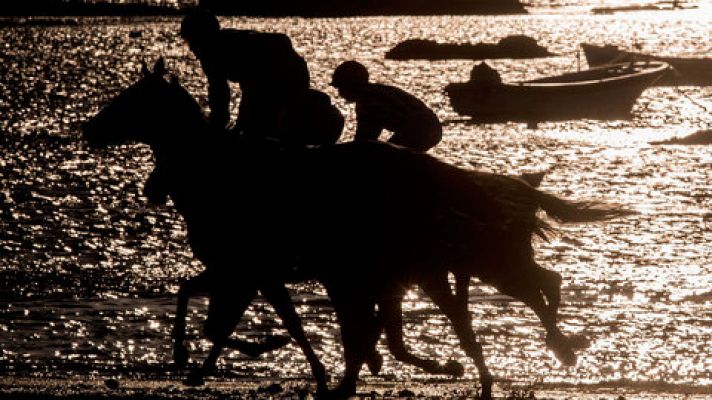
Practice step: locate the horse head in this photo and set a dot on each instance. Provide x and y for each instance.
(143, 111)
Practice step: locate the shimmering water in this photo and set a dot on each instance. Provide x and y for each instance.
(89, 271)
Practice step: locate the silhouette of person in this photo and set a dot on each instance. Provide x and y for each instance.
(273, 78)
(484, 75)
(276, 99)
(379, 107)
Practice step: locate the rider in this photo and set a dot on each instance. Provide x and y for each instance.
(379, 107)
(273, 78)
(276, 99)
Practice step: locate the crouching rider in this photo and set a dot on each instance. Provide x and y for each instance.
(380, 107)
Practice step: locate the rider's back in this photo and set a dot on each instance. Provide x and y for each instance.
(257, 58)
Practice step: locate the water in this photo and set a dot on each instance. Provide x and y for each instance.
(89, 271)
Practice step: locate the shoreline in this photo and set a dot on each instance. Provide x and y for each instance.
(271, 8)
(27, 388)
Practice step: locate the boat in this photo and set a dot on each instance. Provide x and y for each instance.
(699, 137)
(603, 93)
(684, 72)
(667, 5)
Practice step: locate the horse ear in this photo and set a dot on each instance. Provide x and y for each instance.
(160, 67)
(144, 69)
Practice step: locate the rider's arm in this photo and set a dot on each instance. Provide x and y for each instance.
(219, 101)
(367, 128)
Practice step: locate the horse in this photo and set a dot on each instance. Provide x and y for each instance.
(472, 224)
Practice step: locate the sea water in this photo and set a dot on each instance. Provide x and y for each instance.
(89, 271)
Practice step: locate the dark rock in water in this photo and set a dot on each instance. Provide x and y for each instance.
(516, 46)
(701, 137)
(272, 389)
(406, 393)
(112, 384)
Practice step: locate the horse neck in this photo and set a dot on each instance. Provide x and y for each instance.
(184, 138)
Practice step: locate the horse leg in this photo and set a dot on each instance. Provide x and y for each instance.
(462, 290)
(200, 284)
(452, 306)
(278, 297)
(374, 360)
(360, 330)
(224, 313)
(255, 349)
(550, 282)
(189, 288)
(530, 293)
(391, 313)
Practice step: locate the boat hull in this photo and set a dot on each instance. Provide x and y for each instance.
(566, 97)
(684, 72)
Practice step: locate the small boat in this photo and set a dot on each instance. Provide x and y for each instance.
(699, 137)
(684, 72)
(603, 93)
(659, 6)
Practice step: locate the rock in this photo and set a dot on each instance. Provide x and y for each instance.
(112, 384)
(272, 389)
(516, 46)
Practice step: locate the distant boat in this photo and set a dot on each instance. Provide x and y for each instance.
(685, 71)
(659, 6)
(599, 93)
(515, 46)
(699, 137)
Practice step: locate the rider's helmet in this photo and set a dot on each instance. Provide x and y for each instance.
(198, 23)
(349, 74)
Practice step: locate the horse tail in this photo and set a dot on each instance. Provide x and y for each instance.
(569, 211)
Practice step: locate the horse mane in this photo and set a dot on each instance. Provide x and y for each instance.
(184, 102)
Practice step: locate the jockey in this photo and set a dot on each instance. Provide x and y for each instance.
(273, 78)
(276, 100)
(379, 107)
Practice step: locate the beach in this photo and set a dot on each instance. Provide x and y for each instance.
(118, 389)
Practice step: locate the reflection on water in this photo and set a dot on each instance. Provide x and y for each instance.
(89, 271)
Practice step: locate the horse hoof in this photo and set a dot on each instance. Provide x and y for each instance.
(454, 368)
(322, 393)
(270, 343)
(566, 356)
(342, 392)
(375, 362)
(578, 342)
(180, 356)
(194, 379)
(562, 349)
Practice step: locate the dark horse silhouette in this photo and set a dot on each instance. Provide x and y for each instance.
(259, 216)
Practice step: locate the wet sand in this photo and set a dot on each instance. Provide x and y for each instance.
(129, 388)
